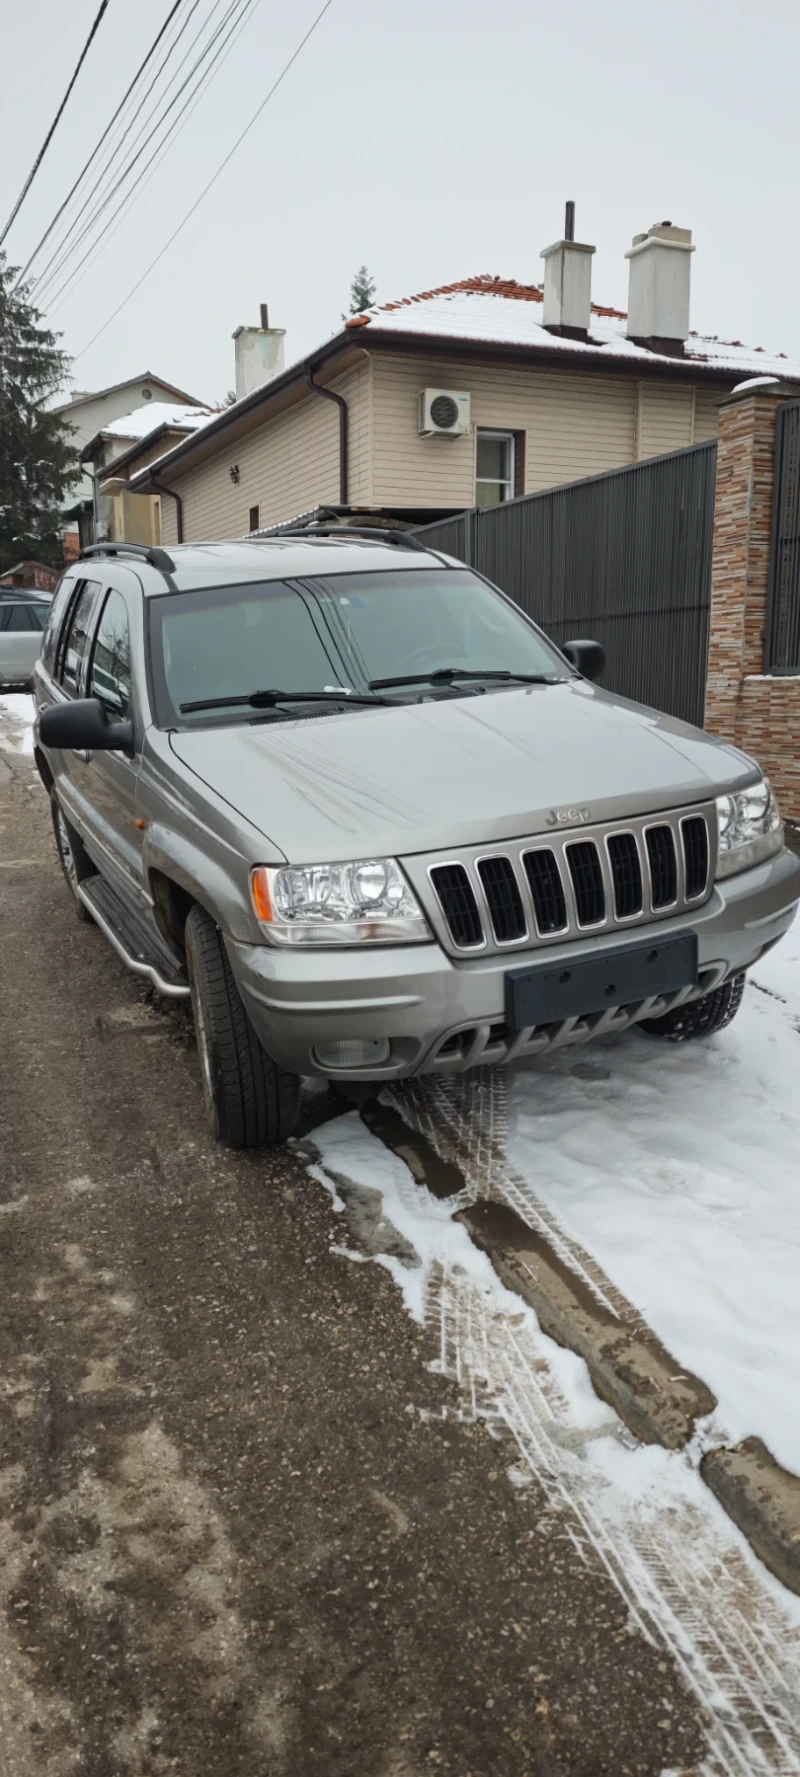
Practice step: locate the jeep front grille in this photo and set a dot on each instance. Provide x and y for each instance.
(627, 874)
(663, 861)
(547, 891)
(695, 848)
(532, 891)
(583, 859)
(503, 899)
(458, 904)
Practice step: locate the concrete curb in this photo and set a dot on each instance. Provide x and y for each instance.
(763, 1499)
(632, 1371)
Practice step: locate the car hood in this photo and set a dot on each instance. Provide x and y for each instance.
(427, 776)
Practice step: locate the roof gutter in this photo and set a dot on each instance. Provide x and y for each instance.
(161, 489)
(344, 421)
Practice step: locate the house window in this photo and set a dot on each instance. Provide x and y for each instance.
(254, 518)
(494, 473)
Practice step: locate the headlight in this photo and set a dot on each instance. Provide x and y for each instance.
(750, 828)
(325, 904)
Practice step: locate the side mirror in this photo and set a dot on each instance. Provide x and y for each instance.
(588, 658)
(84, 726)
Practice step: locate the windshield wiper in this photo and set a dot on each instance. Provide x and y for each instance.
(267, 700)
(446, 675)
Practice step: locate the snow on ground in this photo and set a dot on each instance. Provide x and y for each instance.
(16, 722)
(678, 1168)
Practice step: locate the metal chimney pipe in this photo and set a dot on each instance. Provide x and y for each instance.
(569, 220)
(264, 316)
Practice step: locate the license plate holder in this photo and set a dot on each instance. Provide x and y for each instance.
(546, 993)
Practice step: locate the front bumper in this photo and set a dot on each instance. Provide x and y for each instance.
(443, 1016)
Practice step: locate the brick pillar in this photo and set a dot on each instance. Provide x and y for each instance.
(759, 714)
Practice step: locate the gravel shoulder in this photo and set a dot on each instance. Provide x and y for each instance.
(241, 1532)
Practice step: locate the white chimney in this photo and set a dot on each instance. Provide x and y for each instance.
(259, 354)
(658, 287)
(568, 283)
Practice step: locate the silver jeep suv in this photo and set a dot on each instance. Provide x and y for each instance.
(343, 793)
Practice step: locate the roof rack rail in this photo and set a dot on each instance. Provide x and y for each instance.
(157, 558)
(363, 532)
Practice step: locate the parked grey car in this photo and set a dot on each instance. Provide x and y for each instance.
(23, 615)
(343, 793)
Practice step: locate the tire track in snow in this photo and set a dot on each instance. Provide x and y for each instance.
(465, 1119)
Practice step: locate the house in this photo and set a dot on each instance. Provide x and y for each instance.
(87, 411)
(31, 574)
(468, 394)
(139, 437)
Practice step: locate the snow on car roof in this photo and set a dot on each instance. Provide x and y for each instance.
(501, 311)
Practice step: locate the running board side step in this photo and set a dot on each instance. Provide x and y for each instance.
(137, 942)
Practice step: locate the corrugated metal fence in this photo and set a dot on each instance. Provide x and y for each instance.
(783, 616)
(624, 558)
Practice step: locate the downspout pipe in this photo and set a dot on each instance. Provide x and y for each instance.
(344, 417)
(161, 489)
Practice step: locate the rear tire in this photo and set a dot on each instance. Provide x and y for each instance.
(700, 1018)
(250, 1101)
(72, 856)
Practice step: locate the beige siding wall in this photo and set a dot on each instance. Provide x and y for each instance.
(285, 467)
(666, 418)
(706, 414)
(574, 425)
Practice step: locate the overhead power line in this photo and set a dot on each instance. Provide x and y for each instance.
(102, 139)
(212, 181)
(54, 125)
(234, 17)
(112, 148)
(78, 272)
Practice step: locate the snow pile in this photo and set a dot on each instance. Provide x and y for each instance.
(17, 711)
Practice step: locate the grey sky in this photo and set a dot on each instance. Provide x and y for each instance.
(430, 138)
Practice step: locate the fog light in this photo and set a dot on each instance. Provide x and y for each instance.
(353, 1053)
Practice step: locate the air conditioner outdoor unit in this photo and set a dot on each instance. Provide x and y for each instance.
(443, 413)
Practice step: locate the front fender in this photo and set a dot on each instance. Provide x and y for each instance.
(217, 880)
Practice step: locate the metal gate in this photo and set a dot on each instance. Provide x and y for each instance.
(783, 605)
(623, 557)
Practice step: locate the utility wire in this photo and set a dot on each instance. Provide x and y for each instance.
(101, 141)
(54, 125)
(116, 221)
(101, 190)
(212, 181)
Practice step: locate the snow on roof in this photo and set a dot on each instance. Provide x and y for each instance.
(148, 418)
(501, 311)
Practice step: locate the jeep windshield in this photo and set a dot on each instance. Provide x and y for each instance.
(420, 628)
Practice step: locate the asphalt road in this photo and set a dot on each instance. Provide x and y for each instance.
(237, 1535)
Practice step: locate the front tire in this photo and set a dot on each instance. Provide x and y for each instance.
(700, 1018)
(250, 1101)
(72, 856)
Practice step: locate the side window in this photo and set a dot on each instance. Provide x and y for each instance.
(19, 618)
(110, 675)
(38, 615)
(78, 626)
(55, 618)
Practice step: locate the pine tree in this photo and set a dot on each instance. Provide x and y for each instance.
(362, 292)
(38, 459)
